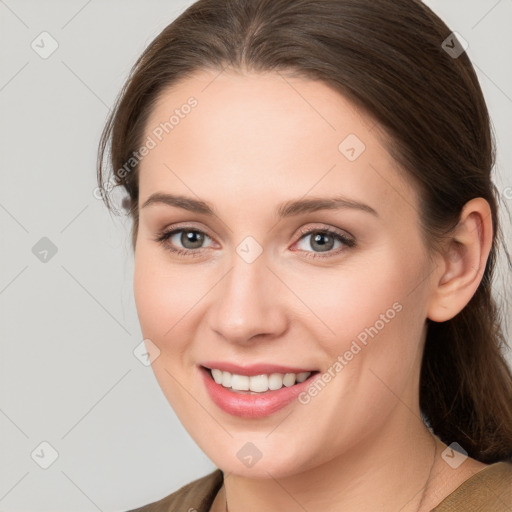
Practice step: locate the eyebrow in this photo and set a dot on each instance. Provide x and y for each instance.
(286, 209)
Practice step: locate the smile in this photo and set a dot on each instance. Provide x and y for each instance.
(257, 383)
(256, 391)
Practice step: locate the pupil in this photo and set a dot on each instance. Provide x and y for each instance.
(192, 239)
(320, 238)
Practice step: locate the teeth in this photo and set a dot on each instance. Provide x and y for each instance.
(289, 379)
(257, 383)
(239, 382)
(301, 377)
(217, 375)
(275, 381)
(226, 379)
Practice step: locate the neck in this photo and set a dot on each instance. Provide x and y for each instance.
(389, 470)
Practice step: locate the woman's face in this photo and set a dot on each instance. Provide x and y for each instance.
(307, 256)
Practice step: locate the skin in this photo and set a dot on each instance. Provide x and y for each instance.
(253, 142)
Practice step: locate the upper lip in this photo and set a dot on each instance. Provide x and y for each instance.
(253, 369)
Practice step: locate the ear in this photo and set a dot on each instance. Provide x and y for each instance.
(462, 264)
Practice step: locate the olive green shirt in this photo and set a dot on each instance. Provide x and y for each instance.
(489, 490)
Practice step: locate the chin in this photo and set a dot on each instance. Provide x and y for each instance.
(256, 457)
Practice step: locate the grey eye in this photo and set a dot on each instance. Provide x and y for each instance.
(320, 241)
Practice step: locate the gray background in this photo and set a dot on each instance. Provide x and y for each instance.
(69, 325)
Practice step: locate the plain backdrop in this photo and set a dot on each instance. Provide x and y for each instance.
(69, 378)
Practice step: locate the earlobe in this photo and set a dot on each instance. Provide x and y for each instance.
(463, 261)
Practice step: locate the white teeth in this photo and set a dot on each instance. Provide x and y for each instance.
(257, 383)
(226, 379)
(240, 382)
(289, 379)
(217, 375)
(275, 381)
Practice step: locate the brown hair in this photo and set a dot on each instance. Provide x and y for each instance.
(388, 58)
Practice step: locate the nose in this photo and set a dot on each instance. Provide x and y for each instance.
(249, 303)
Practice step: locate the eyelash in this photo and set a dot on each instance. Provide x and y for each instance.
(163, 238)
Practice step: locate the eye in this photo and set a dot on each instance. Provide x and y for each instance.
(184, 241)
(325, 240)
(189, 241)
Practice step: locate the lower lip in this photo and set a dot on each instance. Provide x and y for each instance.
(246, 405)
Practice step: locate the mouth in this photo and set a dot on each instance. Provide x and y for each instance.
(257, 384)
(252, 392)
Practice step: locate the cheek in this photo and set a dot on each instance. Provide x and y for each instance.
(153, 303)
(165, 296)
(358, 300)
(368, 322)
(164, 293)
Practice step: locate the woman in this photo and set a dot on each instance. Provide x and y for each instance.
(315, 231)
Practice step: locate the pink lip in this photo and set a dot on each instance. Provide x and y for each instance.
(252, 405)
(253, 369)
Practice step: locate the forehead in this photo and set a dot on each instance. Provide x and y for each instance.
(269, 136)
(255, 108)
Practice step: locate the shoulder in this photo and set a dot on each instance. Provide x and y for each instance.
(197, 496)
(489, 490)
